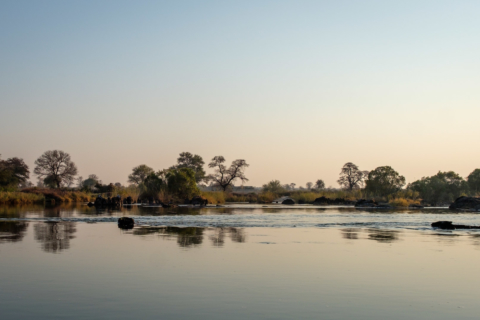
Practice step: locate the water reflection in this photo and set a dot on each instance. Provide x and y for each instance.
(350, 233)
(194, 236)
(55, 236)
(383, 236)
(12, 231)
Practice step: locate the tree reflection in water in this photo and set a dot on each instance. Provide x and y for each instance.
(350, 233)
(384, 236)
(12, 231)
(54, 236)
(193, 236)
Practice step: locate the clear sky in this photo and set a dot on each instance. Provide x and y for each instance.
(297, 88)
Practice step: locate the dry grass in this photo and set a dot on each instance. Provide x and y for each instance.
(403, 202)
(213, 197)
(20, 198)
(60, 195)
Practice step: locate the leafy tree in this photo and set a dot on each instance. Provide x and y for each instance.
(320, 185)
(309, 185)
(152, 185)
(384, 181)
(57, 166)
(139, 174)
(194, 162)
(351, 177)
(13, 172)
(474, 181)
(91, 182)
(444, 187)
(223, 176)
(181, 182)
(273, 186)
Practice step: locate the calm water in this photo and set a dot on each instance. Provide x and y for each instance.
(237, 262)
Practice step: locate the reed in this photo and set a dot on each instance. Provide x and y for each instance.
(213, 197)
(7, 197)
(58, 195)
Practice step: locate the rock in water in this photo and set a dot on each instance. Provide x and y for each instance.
(126, 223)
(448, 225)
(467, 203)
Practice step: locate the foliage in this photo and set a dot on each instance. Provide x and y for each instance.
(60, 195)
(139, 174)
(152, 186)
(13, 172)
(473, 180)
(351, 177)
(273, 186)
(384, 181)
(181, 183)
(213, 197)
(20, 198)
(319, 185)
(309, 185)
(444, 187)
(194, 162)
(224, 176)
(58, 166)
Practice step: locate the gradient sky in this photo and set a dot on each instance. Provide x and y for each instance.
(297, 88)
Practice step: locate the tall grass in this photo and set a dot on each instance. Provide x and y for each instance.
(213, 197)
(59, 195)
(20, 198)
(403, 202)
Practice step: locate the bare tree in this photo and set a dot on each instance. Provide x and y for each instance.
(309, 185)
(351, 177)
(58, 166)
(292, 186)
(224, 176)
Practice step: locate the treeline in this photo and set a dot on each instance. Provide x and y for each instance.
(58, 179)
(385, 184)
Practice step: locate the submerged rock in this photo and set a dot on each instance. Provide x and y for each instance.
(466, 203)
(198, 200)
(415, 206)
(288, 201)
(448, 225)
(126, 223)
(365, 203)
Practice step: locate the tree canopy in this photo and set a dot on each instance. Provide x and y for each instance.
(351, 177)
(191, 161)
(320, 185)
(139, 174)
(13, 172)
(274, 186)
(181, 182)
(384, 181)
(473, 180)
(57, 166)
(444, 187)
(223, 176)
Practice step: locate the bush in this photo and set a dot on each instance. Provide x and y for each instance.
(20, 198)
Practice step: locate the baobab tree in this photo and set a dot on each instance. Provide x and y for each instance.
(223, 176)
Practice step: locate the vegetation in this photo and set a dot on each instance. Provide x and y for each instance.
(384, 181)
(59, 195)
(20, 198)
(13, 172)
(194, 162)
(473, 180)
(225, 177)
(319, 185)
(351, 177)
(442, 188)
(56, 167)
(139, 174)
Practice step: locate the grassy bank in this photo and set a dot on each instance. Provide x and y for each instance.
(17, 197)
(60, 196)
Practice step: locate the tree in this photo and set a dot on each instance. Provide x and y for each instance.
(153, 184)
(444, 187)
(309, 185)
(13, 172)
(384, 181)
(474, 181)
(139, 174)
(181, 182)
(224, 176)
(351, 177)
(194, 162)
(58, 166)
(273, 186)
(91, 182)
(320, 185)
(292, 186)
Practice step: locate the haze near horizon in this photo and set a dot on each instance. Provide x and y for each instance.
(297, 89)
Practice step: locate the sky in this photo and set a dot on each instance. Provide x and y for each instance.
(296, 88)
